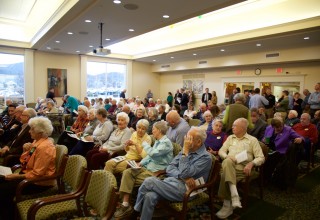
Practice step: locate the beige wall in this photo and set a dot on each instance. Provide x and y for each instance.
(143, 79)
(306, 73)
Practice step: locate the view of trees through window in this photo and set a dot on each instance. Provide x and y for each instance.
(105, 79)
(11, 78)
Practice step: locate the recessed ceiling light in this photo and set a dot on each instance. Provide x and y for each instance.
(154, 60)
(258, 45)
(194, 54)
(306, 38)
(87, 21)
(107, 39)
(117, 2)
(90, 46)
(172, 57)
(70, 33)
(131, 30)
(48, 48)
(57, 41)
(78, 51)
(165, 16)
(222, 50)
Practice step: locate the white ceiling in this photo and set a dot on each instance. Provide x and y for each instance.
(274, 24)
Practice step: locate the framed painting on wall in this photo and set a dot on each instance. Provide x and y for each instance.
(57, 79)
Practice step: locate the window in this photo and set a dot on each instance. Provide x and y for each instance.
(12, 78)
(105, 79)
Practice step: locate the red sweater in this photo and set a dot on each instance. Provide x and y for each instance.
(310, 131)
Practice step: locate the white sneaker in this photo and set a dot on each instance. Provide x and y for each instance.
(235, 201)
(224, 212)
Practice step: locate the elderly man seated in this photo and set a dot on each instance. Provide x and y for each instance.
(178, 128)
(241, 152)
(190, 164)
(308, 131)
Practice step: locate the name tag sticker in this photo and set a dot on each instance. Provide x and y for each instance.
(218, 137)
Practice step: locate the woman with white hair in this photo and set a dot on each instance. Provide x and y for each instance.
(100, 134)
(215, 137)
(51, 108)
(133, 147)
(207, 118)
(37, 160)
(113, 146)
(292, 118)
(78, 127)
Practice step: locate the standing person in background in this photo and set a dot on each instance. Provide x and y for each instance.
(231, 98)
(206, 96)
(50, 94)
(184, 101)
(314, 100)
(177, 97)
(257, 100)
(269, 109)
(123, 94)
(305, 106)
(149, 94)
(247, 95)
(283, 105)
(170, 99)
(297, 102)
(214, 98)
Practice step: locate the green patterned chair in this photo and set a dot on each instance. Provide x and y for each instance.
(176, 149)
(72, 178)
(179, 209)
(194, 122)
(99, 193)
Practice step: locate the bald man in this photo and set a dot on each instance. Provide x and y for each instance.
(178, 128)
(234, 169)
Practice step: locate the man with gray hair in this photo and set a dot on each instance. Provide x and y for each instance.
(191, 163)
(234, 167)
(14, 146)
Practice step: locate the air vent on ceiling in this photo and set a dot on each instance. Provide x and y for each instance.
(131, 6)
(83, 32)
(202, 62)
(268, 55)
(56, 48)
(165, 66)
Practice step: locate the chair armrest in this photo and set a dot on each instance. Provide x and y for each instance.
(47, 201)
(113, 202)
(27, 182)
(15, 167)
(188, 193)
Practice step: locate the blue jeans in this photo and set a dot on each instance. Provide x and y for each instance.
(153, 189)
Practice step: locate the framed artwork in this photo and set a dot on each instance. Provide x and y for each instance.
(57, 79)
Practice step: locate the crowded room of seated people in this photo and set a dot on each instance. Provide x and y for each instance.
(211, 123)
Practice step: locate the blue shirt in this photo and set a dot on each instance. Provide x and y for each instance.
(72, 103)
(178, 133)
(257, 101)
(159, 156)
(314, 100)
(197, 164)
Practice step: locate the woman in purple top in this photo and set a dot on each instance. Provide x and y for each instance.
(279, 136)
(215, 137)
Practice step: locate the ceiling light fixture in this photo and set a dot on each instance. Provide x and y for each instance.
(131, 30)
(87, 21)
(90, 46)
(107, 39)
(117, 2)
(154, 60)
(78, 51)
(172, 57)
(57, 41)
(194, 54)
(222, 50)
(258, 45)
(70, 33)
(48, 48)
(165, 16)
(306, 38)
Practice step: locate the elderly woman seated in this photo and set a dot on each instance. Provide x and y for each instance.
(292, 118)
(139, 114)
(207, 117)
(100, 134)
(259, 124)
(152, 118)
(133, 147)
(215, 137)
(93, 123)
(115, 144)
(38, 160)
(51, 108)
(285, 143)
(78, 126)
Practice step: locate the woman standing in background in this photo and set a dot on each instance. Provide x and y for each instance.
(170, 99)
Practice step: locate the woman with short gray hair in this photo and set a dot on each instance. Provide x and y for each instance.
(152, 118)
(133, 148)
(207, 120)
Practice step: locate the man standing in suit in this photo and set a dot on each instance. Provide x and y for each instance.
(14, 146)
(206, 96)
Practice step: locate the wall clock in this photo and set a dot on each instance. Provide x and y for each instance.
(257, 71)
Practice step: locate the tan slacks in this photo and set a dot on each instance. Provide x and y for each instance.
(116, 167)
